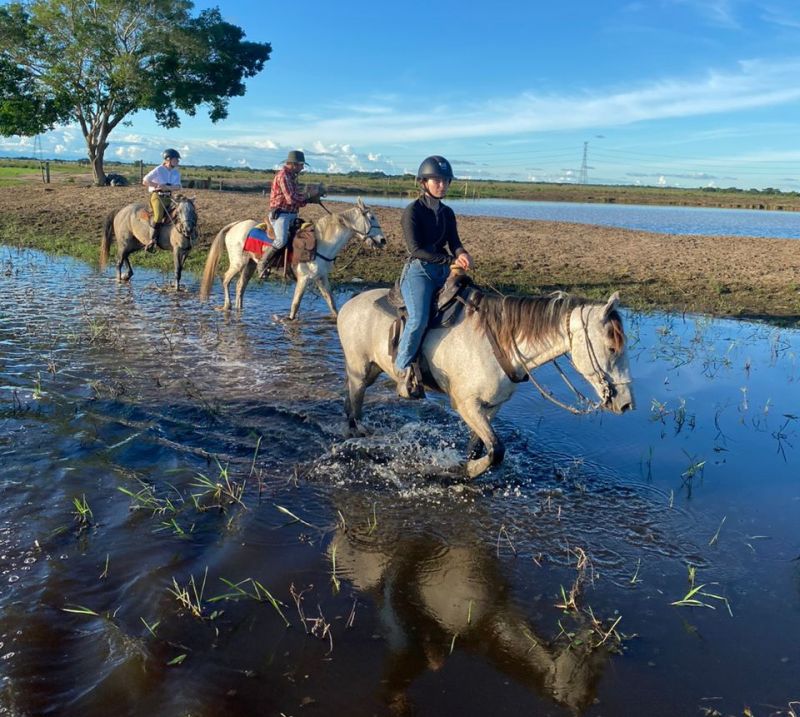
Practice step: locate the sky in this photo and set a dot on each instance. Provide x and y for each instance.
(686, 93)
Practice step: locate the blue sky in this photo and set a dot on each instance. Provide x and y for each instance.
(658, 92)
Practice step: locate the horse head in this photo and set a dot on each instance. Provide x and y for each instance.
(368, 227)
(184, 217)
(597, 348)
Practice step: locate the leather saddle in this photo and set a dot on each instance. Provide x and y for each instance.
(458, 297)
(301, 244)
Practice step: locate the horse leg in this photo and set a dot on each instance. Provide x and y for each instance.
(356, 383)
(299, 290)
(478, 418)
(244, 278)
(178, 256)
(324, 287)
(233, 270)
(124, 260)
(475, 447)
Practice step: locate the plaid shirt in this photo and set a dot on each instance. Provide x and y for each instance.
(285, 195)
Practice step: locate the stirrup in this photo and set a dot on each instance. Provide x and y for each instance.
(409, 384)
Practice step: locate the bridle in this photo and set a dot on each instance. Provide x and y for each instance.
(607, 387)
(186, 230)
(373, 229)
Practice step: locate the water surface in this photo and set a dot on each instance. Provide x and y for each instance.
(404, 593)
(708, 221)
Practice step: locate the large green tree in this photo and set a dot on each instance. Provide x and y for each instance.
(96, 62)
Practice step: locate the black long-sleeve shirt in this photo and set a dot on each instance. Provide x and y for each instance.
(428, 231)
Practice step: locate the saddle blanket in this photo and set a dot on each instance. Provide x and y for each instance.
(257, 241)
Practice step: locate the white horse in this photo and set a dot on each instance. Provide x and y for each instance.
(332, 233)
(479, 361)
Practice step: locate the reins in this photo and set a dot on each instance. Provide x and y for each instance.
(546, 393)
(364, 236)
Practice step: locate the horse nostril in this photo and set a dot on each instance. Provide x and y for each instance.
(626, 407)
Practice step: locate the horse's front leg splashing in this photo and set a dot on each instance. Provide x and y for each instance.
(478, 418)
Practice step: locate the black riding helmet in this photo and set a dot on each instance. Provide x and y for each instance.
(171, 154)
(434, 166)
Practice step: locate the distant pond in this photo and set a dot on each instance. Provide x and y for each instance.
(666, 220)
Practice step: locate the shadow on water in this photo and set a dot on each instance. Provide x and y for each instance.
(185, 528)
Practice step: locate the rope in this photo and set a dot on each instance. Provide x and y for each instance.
(546, 393)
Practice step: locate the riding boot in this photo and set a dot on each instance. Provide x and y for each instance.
(150, 247)
(262, 270)
(409, 383)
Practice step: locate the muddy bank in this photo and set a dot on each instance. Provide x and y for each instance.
(724, 276)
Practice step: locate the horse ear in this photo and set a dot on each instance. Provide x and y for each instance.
(360, 203)
(611, 305)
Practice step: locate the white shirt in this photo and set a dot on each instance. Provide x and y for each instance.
(163, 175)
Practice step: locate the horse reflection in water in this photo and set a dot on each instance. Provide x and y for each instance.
(429, 591)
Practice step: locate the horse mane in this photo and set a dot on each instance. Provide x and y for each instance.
(536, 317)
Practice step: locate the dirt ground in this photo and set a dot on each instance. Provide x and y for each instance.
(725, 276)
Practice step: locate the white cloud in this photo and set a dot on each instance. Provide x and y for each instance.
(751, 84)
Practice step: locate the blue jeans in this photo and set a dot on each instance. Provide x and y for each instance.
(418, 283)
(280, 226)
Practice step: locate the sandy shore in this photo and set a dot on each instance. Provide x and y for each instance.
(724, 276)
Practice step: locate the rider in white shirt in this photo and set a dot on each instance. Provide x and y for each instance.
(161, 181)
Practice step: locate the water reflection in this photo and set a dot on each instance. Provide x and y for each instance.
(454, 589)
(442, 593)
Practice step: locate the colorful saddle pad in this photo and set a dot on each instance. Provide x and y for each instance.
(257, 240)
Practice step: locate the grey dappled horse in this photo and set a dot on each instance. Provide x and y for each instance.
(131, 227)
(332, 232)
(528, 332)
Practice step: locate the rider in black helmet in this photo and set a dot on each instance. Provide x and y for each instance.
(161, 181)
(431, 235)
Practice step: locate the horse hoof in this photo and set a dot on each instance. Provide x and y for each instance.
(478, 467)
(358, 432)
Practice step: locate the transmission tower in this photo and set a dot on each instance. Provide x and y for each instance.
(583, 177)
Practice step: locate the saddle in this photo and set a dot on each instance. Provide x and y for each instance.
(146, 215)
(458, 297)
(301, 244)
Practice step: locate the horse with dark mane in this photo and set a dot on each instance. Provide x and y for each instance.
(479, 361)
(131, 228)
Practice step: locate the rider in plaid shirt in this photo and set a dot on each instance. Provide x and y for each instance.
(285, 200)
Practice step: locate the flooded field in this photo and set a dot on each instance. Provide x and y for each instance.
(185, 529)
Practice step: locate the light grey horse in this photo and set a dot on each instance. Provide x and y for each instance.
(332, 232)
(527, 332)
(131, 227)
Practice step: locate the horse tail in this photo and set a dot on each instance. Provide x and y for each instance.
(212, 261)
(105, 241)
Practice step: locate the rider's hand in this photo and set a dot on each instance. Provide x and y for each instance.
(464, 260)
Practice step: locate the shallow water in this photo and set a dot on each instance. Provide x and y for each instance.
(704, 221)
(445, 600)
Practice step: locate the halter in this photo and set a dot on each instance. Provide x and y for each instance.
(607, 388)
(369, 234)
(186, 231)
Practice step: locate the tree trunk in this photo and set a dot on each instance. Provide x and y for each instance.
(96, 159)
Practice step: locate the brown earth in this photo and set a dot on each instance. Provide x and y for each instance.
(725, 276)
